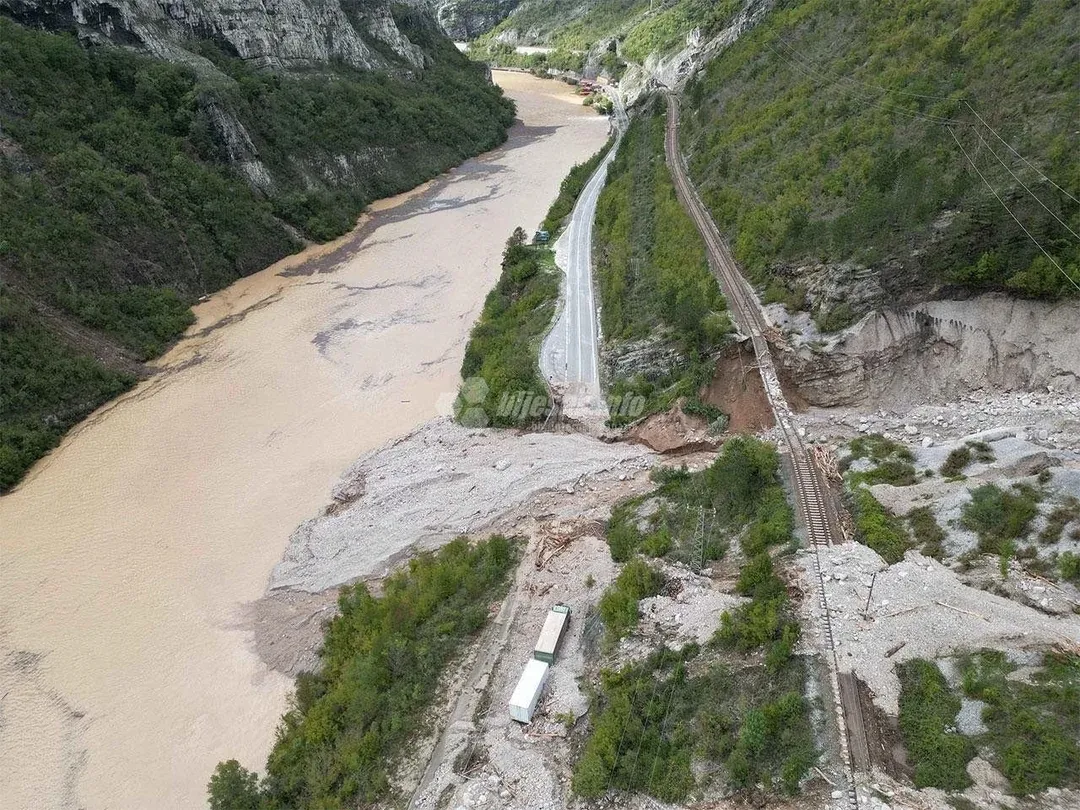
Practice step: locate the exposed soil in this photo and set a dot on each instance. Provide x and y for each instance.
(738, 391)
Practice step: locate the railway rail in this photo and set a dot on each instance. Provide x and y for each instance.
(814, 501)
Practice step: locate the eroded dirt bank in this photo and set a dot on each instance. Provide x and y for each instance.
(127, 557)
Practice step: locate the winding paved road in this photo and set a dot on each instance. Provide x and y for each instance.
(569, 356)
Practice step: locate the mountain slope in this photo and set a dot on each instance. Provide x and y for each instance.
(134, 185)
(823, 143)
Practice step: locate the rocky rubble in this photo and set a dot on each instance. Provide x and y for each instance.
(432, 485)
(918, 609)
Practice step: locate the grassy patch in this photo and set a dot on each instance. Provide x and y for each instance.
(927, 719)
(1000, 517)
(877, 527)
(619, 603)
(651, 269)
(891, 462)
(1032, 726)
(382, 659)
(928, 533)
(1064, 513)
(502, 385)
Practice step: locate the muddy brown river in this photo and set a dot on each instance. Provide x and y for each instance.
(129, 556)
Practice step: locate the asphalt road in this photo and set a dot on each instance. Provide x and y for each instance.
(569, 356)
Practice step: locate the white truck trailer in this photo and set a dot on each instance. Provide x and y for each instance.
(558, 619)
(528, 691)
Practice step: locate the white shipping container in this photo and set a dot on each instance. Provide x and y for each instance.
(554, 626)
(528, 691)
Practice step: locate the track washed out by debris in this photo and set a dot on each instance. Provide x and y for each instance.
(813, 503)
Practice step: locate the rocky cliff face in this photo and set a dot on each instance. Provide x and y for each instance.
(464, 19)
(280, 34)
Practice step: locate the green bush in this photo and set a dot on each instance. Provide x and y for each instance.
(878, 528)
(619, 604)
(927, 715)
(381, 662)
(999, 517)
(1069, 567)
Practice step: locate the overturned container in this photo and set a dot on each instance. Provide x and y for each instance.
(558, 619)
(528, 691)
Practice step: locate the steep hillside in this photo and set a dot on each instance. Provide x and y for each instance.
(640, 28)
(848, 150)
(134, 185)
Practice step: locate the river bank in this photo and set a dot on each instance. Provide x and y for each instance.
(130, 553)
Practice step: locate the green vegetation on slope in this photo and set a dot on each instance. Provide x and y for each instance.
(738, 491)
(1000, 517)
(742, 708)
(382, 660)
(619, 603)
(650, 720)
(502, 385)
(1033, 722)
(45, 388)
(642, 27)
(124, 198)
(927, 722)
(652, 273)
(877, 527)
(825, 133)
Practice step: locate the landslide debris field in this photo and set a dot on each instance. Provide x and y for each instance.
(946, 598)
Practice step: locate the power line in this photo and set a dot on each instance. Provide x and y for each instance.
(1006, 207)
(1028, 190)
(1028, 162)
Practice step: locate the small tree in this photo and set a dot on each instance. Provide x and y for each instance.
(233, 787)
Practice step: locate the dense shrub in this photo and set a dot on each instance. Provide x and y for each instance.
(877, 527)
(503, 347)
(380, 666)
(619, 603)
(739, 489)
(927, 717)
(651, 719)
(998, 516)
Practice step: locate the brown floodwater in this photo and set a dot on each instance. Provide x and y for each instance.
(128, 556)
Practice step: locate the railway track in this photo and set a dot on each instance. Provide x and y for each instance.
(814, 501)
